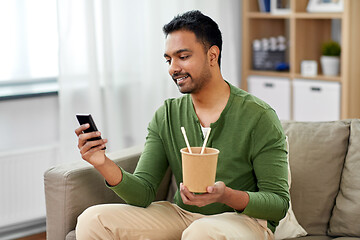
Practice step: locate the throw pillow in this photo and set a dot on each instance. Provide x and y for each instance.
(346, 214)
(289, 227)
(317, 155)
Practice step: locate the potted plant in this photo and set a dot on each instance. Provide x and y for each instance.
(330, 59)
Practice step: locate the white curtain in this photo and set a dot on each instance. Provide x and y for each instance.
(28, 44)
(112, 65)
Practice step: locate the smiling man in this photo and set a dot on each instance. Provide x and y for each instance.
(250, 195)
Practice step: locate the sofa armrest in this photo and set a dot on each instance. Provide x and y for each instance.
(71, 188)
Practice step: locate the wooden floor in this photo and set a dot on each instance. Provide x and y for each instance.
(40, 236)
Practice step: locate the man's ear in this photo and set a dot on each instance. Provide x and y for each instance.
(213, 55)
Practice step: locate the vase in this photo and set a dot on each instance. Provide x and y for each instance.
(330, 65)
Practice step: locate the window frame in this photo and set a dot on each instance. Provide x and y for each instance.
(18, 89)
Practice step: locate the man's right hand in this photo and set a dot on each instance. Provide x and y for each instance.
(91, 151)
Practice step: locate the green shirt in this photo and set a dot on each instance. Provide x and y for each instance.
(252, 155)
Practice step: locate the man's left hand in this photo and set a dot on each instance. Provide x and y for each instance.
(214, 194)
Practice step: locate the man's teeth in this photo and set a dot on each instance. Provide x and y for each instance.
(180, 79)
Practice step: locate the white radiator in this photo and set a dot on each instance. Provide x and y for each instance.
(22, 185)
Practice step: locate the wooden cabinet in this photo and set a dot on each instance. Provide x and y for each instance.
(305, 32)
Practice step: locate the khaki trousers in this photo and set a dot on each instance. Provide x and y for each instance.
(163, 220)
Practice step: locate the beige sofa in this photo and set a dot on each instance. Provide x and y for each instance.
(325, 190)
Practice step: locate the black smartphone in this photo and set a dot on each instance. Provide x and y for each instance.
(87, 118)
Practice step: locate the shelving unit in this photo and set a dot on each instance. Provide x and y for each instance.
(305, 33)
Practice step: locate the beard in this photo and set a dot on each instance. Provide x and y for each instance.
(190, 84)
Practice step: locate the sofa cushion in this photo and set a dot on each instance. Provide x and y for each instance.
(316, 160)
(310, 238)
(322, 238)
(347, 238)
(346, 213)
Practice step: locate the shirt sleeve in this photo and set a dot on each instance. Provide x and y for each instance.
(269, 158)
(140, 188)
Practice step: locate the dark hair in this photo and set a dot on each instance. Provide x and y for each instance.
(205, 29)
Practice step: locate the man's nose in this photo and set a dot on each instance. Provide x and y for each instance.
(174, 68)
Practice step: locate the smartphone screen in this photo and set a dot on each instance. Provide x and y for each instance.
(87, 118)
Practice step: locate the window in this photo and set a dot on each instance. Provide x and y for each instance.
(28, 42)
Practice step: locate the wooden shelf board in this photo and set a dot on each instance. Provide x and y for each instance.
(318, 15)
(301, 15)
(292, 76)
(320, 77)
(267, 15)
(269, 73)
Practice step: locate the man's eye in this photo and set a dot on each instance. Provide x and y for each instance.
(167, 61)
(184, 57)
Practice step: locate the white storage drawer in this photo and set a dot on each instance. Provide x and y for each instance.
(316, 100)
(273, 90)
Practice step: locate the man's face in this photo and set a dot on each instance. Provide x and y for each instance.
(188, 62)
